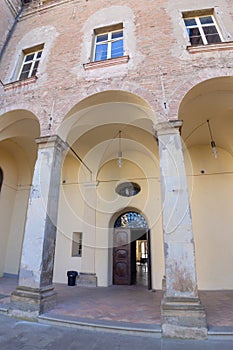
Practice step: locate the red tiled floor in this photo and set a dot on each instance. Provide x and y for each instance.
(116, 303)
(134, 304)
(219, 307)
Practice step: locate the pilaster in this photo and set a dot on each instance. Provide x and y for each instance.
(183, 315)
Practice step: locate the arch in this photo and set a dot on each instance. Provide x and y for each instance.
(95, 110)
(18, 152)
(18, 131)
(10, 123)
(206, 75)
(209, 100)
(116, 94)
(211, 177)
(93, 125)
(131, 219)
(91, 128)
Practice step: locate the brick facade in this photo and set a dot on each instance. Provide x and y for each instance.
(9, 11)
(158, 86)
(160, 69)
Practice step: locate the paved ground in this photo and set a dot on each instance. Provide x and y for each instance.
(21, 335)
(125, 304)
(116, 307)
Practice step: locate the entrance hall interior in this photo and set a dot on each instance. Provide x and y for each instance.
(142, 261)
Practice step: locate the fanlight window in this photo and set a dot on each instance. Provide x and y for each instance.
(131, 220)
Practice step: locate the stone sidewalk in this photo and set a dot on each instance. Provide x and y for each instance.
(22, 335)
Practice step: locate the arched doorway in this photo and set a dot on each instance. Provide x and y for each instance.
(131, 250)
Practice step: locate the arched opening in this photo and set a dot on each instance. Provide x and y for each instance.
(131, 250)
(206, 111)
(18, 151)
(95, 187)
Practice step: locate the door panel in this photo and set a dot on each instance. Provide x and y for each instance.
(121, 257)
(149, 258)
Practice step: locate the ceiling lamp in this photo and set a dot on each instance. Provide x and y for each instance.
(212, 142)
(119, 161)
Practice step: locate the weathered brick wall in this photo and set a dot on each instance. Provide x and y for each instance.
(8, 12)
(160, 69)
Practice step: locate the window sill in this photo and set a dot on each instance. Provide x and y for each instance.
(211, 47)
(106, 63)
(19, 83)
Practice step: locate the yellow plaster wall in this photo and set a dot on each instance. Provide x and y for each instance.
(80, 210)
(16, 232)
(211, 196)
(211, 205)
(7, 198)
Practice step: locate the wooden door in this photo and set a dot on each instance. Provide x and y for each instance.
(121, 256)
(149, 258)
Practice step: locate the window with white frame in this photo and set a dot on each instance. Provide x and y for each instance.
(203, 30)
(30, 63)
(77, 244)
(109, 43)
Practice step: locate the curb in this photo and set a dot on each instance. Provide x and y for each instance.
(114, 327)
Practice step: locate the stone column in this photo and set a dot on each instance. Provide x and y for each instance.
(183, 315)
(35, 294)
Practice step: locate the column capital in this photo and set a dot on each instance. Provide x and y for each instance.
(52, 141)
(167, 128)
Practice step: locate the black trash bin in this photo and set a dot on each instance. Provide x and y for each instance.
(72, 277)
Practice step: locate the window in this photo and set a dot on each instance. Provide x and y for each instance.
(30, 63)
(202, 30)
(77, 244)
(131, 220)
(128, 189)
(108, 44)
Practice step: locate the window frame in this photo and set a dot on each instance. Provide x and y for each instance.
(200, 27)
(77, 245)
(26, 53)
(109, 41)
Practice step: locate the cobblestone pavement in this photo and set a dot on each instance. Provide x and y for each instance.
(22, 335)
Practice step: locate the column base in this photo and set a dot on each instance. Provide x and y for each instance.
(183, 318)
(87, 279)
(29, 303)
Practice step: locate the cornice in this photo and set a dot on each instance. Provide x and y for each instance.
(40, 5)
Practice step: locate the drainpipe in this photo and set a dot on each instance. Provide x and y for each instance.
(9, 34)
